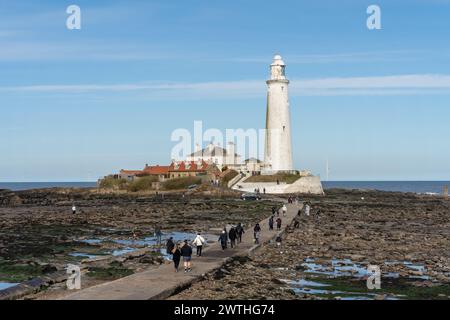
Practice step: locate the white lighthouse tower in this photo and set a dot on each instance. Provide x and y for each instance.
(278, 152)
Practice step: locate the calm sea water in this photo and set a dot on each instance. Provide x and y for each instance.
(433, 187)
(6, 285)
(402, 186)
(17, 186)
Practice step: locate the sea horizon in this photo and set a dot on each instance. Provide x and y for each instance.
(415, 186)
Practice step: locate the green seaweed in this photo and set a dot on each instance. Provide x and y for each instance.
(12, 272)
(113, 272)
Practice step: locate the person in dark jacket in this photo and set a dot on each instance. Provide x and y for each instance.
(223, 239)
(158, 235)
(232, 235)
(186, 252)
(170, 245)
(318, 214)
(297, 222)
(257, 233)
(271, 222)
(176, 256)
(240, 231)
(279, 240)
(226, 232)
(279, 224)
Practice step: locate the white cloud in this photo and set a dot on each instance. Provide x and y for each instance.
(15, 48)
(381, 85)
(67, 51)
(395, 81)
(346, 57)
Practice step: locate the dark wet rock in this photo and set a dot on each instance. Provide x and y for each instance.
(9, 198)
(147, 260)
(224, 271)
(41, 225)
(384, 227)
(300, 267)
(48, 268)
(277, 281)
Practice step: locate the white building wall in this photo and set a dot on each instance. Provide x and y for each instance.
(228, 158)
(231, 154)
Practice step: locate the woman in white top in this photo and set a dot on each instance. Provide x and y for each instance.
(199, 241)
(307, 210)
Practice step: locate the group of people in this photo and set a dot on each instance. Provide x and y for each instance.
(215, 182)
(272, 221)
(258, 191)
(306, 210)
(234, 236)
(276, 212)
(185, 251)
(275, 219)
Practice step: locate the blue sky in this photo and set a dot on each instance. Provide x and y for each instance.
(76, 105)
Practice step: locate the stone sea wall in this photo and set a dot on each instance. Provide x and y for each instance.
(304, 185)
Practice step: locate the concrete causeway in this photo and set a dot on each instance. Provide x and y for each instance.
(163, 282)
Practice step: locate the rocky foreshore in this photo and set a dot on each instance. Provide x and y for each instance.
(39, 235)
(406, 235)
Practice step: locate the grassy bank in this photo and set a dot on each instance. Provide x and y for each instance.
(181, 183)
(281, 177)
(230, 175)
(147, 183)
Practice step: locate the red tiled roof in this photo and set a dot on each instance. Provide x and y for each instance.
(189, 166)
(184, 166)
(156, 170)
